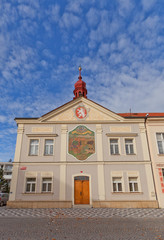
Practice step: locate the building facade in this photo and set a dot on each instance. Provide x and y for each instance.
(7, 171)
(155, 130)
(82, 154)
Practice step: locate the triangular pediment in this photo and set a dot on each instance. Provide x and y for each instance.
(68, 112)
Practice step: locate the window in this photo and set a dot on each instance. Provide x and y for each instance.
(48, 147)
(160, 142)
(30, 184)
(117, 184)
(114, 146)
(129, 146)
(163, 173)
(34, 146)
(133, 184)
(47, 185)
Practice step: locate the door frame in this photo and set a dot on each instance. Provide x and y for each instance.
(73, 187)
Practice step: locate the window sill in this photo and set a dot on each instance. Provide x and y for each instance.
(34, 193)
(130, 154)
(33, 155)
(161, 155)
(127, 192)
(117, 154)
(48, 155)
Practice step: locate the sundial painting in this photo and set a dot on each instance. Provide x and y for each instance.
(81, 142)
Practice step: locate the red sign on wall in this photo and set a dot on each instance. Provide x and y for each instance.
(23, 168)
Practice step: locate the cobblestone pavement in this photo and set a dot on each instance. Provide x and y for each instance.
(83, 213)
(54, 228)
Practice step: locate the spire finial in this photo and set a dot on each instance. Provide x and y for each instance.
(80, 68)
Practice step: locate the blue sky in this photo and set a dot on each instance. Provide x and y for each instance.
(119, 44)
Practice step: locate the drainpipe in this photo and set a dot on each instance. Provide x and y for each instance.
(150, 157)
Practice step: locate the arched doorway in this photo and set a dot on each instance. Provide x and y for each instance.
(81, 190)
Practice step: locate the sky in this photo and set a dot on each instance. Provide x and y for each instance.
(118, 43)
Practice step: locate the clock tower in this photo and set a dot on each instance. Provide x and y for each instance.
(80, 87)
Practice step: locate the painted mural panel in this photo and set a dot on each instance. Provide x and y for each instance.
(81, 142)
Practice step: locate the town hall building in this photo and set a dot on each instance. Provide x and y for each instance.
(84, 155)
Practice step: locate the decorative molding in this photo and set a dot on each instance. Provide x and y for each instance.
(128, 134)
(124, 129)
(42, 135)
(42, 129)
(20, 129)
(86, 163)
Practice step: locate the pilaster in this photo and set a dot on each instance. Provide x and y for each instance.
(144, 142)
(100, 168)
(63, 158)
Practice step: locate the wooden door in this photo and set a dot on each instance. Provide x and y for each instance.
(81, 191)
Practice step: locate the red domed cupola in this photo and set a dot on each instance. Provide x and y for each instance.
(80, 87)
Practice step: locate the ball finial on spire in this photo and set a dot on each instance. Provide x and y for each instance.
(80, 68)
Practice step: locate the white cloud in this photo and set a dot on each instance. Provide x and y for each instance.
(148, 4)
(69, 20)
(125, 6)
(93, 17)
(77, 6)
(104, 49)
(106, 29)
(53, 13)
(2, 118)
(26, 11)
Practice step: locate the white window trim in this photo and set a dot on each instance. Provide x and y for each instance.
(30, 145)
(117, 182)
(136, 175)
(157, 143)
(134, 146)
(31, 183)
(119, 146)
(47, 184)
(48, 138)
(47, 175)
(117, 174)
(29, 175)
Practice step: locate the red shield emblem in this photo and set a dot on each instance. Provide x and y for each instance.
(81, 112)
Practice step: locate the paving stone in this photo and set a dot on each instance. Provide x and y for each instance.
(83, 213)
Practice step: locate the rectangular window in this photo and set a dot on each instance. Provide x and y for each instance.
(47, 185)
(129, 146)
(160, 142)
(49, 144)
(30, 184)
(163, 173)
(114, 146)
(117, 184)
(133, 184)
(34, 146)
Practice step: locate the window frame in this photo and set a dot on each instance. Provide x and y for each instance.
(30, 182)
(163, 174)
(119, 149)
(162, 134)
(133, 182)
(32, 139)
(117, 182)
(47, 182)
(45, 147)
(133, 143)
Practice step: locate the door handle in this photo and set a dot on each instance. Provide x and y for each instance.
(80, 193)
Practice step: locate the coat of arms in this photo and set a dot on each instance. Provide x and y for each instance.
(81, 142)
